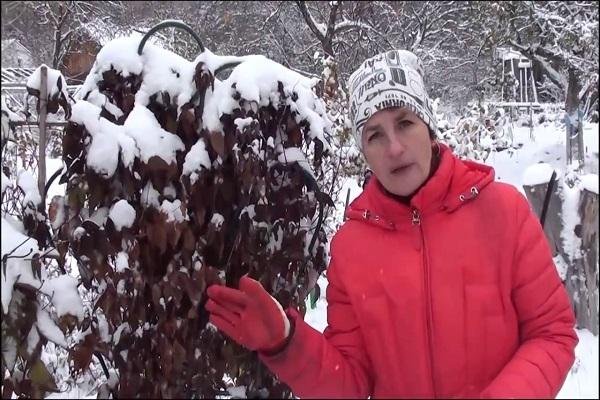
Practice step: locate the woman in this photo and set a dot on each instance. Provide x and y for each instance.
(441, 282)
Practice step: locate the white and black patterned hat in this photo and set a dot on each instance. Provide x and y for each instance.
(391, 79)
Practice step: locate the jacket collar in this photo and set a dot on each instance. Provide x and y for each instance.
(455, 183)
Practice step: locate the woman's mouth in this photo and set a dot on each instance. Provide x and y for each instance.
(401, 169)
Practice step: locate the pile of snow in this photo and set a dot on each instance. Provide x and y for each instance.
(65, 297)
(589, 182)
(173, 210)
(28, 184)
(196, 159)
(56, 83)
(537, 174)
(256, 79)
(17, 246)
(122, 214)
(141, 136)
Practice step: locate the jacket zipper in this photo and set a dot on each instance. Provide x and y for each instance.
(416, 220)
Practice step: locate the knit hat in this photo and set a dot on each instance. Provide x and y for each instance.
(391, 79)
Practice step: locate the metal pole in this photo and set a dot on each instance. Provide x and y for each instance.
(526, 87)
(512, 65)
(535, 98)
(503, 79)
(521, 84)
(42, 140)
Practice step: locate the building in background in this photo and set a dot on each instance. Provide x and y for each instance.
(15, 55)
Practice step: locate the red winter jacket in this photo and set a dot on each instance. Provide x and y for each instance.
(454, 296)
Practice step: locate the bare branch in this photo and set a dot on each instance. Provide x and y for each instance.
(310, 21)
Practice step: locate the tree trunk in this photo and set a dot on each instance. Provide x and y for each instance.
(574, 121)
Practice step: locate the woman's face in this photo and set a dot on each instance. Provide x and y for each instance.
(397, 147)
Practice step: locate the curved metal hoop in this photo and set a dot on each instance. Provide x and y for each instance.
(170, 24)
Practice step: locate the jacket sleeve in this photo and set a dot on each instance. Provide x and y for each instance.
(546, 320)
(332, 364)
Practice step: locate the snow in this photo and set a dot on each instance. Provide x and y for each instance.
(56, 189)
(241, 123)
(12, 116)
(48, 328)
(256, 79)
(100, 100)
(122, 261)
(28, 184)
(7, 116)
(141, 136)
(582, 379)
(294, 154)
(537, 174)
(122, 214)
(150, 196)
(561, 266)
(78, 233)
(6, 183)
(54, 76)
(173, 210)
(589, 182)
(249, 210)
(196, 159)
(60, 214)
(17, 245)
(149, 137)
(103, 328)
(108, 140)
(117, 335)
(570, 218)
(548, 146)
(162, 69)
(65, 296)
(217, 220)
(238, 392)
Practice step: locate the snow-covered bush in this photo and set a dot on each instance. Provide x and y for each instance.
(483, 130)
(177, 180)
(39, 305)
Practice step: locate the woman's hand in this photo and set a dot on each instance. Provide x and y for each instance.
(250, 315)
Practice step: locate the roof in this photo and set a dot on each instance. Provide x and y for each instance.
(6, 43)
(16, 75)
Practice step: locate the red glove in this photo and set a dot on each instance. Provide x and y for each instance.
(250, 315)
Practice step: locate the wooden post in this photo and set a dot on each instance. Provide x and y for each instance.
(554, 224)
(346, 205)
(582, 282)
(581, 279)
(42, 126)
(574, 123)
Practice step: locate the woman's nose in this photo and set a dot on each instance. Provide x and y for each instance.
(395, 146)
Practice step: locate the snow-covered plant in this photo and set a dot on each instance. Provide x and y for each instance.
(40, 303)
(346, 160)
(177, 180)
(484, 129)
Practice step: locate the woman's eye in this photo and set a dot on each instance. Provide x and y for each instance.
(373, 136)
(404, 123)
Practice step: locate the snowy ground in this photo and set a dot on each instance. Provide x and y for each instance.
(547, 145)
